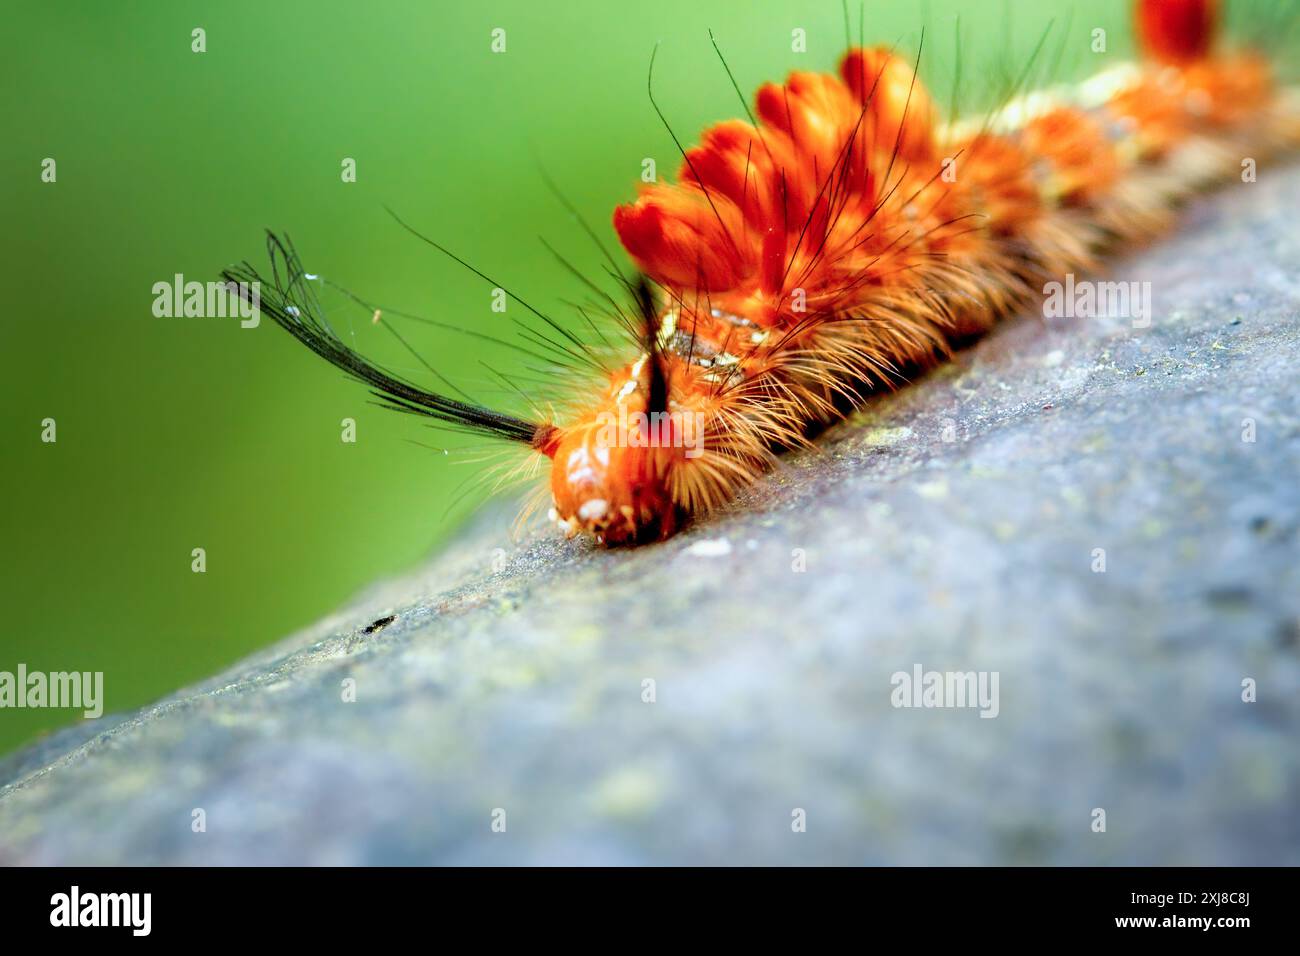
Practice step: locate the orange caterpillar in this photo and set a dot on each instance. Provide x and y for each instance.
(846, 237)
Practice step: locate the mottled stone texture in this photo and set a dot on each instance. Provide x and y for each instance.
(952, 525)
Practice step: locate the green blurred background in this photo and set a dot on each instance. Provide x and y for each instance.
(177, 433)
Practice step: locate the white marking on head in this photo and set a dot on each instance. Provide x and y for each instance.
(578, 468)
(593, 509)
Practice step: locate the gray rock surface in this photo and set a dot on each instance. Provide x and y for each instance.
(952, 525)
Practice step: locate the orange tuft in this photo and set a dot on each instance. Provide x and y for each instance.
(682, 236)
(1176, 31)
(899, 107)
(1083, 160)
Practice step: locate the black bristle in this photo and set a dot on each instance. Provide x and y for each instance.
(290, 301)
(657, 394)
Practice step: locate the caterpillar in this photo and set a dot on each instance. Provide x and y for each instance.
(840, 239)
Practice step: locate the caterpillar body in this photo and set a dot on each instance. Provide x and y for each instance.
(841, 238)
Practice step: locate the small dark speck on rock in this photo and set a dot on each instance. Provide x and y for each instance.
(1229, 596)
(379, 625)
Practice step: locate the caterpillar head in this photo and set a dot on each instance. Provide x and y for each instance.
(609, 487)
(610, 471)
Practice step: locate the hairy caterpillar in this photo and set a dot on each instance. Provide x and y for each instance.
(841, 238)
